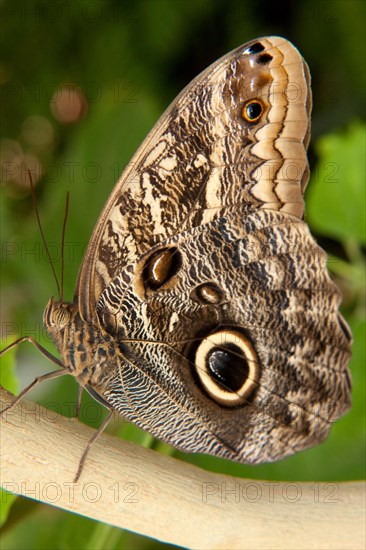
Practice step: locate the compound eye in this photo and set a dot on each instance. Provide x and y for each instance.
(227, 367)
(56, 314)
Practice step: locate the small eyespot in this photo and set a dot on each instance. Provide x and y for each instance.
(161, 267)
(264, 59)
(227, 367)
(252, 110)
(254, 48)
(208, 293)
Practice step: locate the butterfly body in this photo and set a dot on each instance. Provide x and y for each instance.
(203, 311)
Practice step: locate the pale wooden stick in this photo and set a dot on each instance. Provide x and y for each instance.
(128, 486)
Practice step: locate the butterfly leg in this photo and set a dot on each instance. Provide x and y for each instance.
(78, 403)
(54, 374)
(91, 441)
(36, 381)
(40, 348)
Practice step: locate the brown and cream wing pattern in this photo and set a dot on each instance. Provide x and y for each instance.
(237, 135)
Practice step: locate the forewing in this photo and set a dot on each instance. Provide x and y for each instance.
(205, 156)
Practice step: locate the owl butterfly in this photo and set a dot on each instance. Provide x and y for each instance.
(203, 310)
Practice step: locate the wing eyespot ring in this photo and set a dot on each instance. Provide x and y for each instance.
(227, 367)
(252, 110)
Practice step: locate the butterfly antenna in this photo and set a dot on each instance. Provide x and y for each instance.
(63, 244)
(42, 234)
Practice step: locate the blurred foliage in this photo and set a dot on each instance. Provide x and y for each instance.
(8, 378)
(128, 60)
(341, 157)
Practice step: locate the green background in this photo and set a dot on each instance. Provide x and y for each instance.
(130, 59)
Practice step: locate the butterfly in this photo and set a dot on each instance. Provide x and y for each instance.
(203, 310)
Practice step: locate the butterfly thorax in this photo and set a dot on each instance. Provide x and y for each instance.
(83, 346)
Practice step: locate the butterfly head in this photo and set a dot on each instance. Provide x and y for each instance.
(56, 314)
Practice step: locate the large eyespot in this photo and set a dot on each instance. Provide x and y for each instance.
(161, 267)
(227, 367)
(252, 110)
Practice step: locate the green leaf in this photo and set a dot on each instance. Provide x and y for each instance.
(8, 378)
(6, 501)
(336, 199)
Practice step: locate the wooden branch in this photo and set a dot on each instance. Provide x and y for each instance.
(138, 489)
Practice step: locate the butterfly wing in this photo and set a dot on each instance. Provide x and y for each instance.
(206, 154)
(223, 321)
